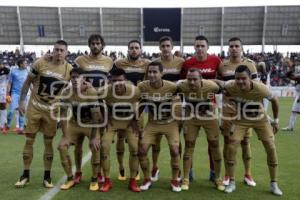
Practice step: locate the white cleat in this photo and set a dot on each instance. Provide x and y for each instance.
(155, 175)
(287, 129)
(230, 187)
(146, 185)
(249, 181)
(175, 186)
(275, 189)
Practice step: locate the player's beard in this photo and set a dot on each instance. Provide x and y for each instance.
(96, 52)
(133, 58)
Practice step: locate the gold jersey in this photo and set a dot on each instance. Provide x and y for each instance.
(49, 80)
(125, 105)
(96, 69)
(226, 72)
(248, 103)
(201, 99)
(160, 101)
(135, 69)
(172, 68)
(82, 108)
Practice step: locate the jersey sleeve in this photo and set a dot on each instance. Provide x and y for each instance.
(34, 70)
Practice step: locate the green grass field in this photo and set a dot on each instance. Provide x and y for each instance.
(288, 149)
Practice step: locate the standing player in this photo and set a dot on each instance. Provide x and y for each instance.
(158, 95)
(122, 101)
(172, 67)
(226, 72)
(96, 67)
(48, 79)
(4, 71)
(294, 75)
(248, 96)
(135, 68)
(208, 66)
(198, 94)
(17, 78)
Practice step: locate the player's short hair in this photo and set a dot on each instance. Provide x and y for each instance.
(201, 37)
(76, 70)
(20, 61)
(235, 39)
(243, 68)
(165, 38)
(96, 37)
(193, 69)
(156, 63)
(118, 72)
(134, 41)
(62, 42)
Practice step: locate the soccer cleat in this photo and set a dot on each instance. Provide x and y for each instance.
(4, 130)
(249, 180)
(77, 177)
(287, 129)
(212, 176)
(275, 189)
(175, 186)
(185, 184)
(230, 187)
(154, 175)
(191, 175)
(48, 183)
(137, 178)
(68, 184)
(107, 185)
(122, 176)
(22, 182)
(219, 185)
(226, 180)
(146, 185)
(133, 185)
(94, 186)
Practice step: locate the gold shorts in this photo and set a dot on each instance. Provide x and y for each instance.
(226, 126)
(76, 132)
(153, 130)
(262, 128)
(40, 120)
(192, 127)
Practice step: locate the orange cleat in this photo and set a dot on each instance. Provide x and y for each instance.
(107, 185)
(133, 185)
(77, 177)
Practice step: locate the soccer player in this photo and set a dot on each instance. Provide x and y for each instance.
(172, 67)
(96, 67)
(226, 72)
(48, 79)
(198, 94)
(17, 78)
(85, 113)
(248, 96)
(135, 68)
(122, 101)
(4, 71)
(158, 95)
(294, 75)
(208, 66)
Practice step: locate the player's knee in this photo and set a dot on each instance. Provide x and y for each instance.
(190, 144)
(213, 144)
(174, 150)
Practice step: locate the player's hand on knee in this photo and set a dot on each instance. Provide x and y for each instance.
(95, 144)
(64, 143)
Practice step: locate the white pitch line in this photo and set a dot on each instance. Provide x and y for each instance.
(52, 192)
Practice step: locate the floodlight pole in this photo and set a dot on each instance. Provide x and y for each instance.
(20, 31)
(263, 40)
(60, 24)
(222, 30)
(141, 27)
(101, 20)
(181, 30)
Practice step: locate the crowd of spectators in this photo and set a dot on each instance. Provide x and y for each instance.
(276, 63)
